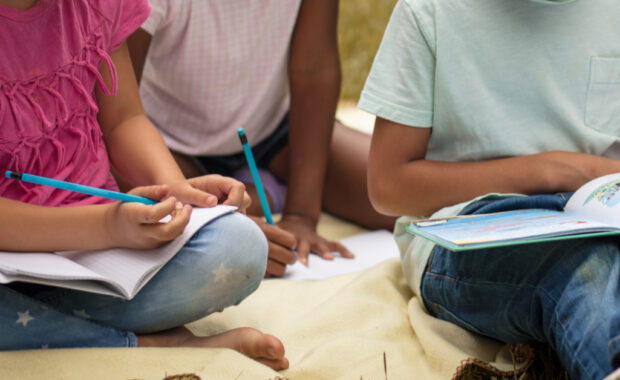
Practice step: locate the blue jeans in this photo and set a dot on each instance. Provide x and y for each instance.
(565, 293)
(219, 266)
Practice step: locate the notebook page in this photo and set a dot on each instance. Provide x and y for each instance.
(44, 265)
(130, 268)
(90, 286)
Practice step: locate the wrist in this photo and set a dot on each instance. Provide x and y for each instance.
(300, 216)
(107, 219)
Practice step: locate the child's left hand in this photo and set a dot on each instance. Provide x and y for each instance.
(210, 190)
(309, 241)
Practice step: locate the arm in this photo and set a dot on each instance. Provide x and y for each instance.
(26, 227)
(31, 228)
(314, 72)
(402, 182)
(138, 44)
(135, 146)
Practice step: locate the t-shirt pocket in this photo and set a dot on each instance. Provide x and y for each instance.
(603, 99)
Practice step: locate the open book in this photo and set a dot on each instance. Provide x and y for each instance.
(117, 272)
(593, 210)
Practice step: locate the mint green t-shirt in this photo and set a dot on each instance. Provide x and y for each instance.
(498, 78)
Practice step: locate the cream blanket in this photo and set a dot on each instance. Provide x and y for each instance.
(365, 325)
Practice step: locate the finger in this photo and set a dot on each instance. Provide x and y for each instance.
(177, 209)
(154, 213)
(247, 201)
(341, 249)
(280, 254)
(155, 192)
(172, 229)
(278, 235)
(275, 268)
(322, 250)
(236, 195)
(195, 196)
(200, 198)
(303, 250)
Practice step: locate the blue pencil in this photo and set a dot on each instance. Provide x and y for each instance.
(257, 182)
(78, 188)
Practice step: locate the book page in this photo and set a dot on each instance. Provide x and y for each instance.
(483, 229)
(369, 248)
(598, 199)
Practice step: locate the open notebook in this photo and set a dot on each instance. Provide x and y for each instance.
(117, 272)
(369, 248)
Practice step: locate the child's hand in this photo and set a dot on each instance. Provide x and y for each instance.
(209, 190)
(136, 225)
(281, 245)
(309, 241)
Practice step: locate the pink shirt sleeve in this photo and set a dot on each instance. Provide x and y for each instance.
(123, 18)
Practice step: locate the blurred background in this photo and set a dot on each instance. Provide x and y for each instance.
(360, 28)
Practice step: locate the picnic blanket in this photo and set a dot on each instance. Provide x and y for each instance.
(363, 325)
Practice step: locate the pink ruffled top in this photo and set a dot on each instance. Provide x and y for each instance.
(49, 66)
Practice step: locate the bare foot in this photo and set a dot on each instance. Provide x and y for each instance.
(264, 348)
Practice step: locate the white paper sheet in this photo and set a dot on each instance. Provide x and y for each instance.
(369, 248)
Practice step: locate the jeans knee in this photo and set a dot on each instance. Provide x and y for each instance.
(233, 251)
(248, 247)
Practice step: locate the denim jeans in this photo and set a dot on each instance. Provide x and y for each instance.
(565, 293)
(219, 266)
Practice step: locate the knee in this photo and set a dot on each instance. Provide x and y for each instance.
(235, 253)
(247, 247)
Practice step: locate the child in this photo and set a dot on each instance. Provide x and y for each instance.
(67, 92)
(476, 97)
(273, 68)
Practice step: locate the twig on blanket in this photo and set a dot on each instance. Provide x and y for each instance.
(185, 376)
(385, 365)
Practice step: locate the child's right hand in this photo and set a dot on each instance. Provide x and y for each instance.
(136, 225)
(281, 246)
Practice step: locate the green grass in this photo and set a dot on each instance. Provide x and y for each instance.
(360, 28)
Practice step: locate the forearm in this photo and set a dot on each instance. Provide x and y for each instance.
(139, 153)
(313, 105)
(26, 227)
(421, 187)
(314, 74)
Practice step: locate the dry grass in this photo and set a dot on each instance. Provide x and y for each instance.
(360, 28)
(545, 366)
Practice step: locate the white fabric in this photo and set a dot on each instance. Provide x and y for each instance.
(214, 66)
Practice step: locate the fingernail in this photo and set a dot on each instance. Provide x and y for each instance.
(211, 200)
(271, 353)
(179, 205)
